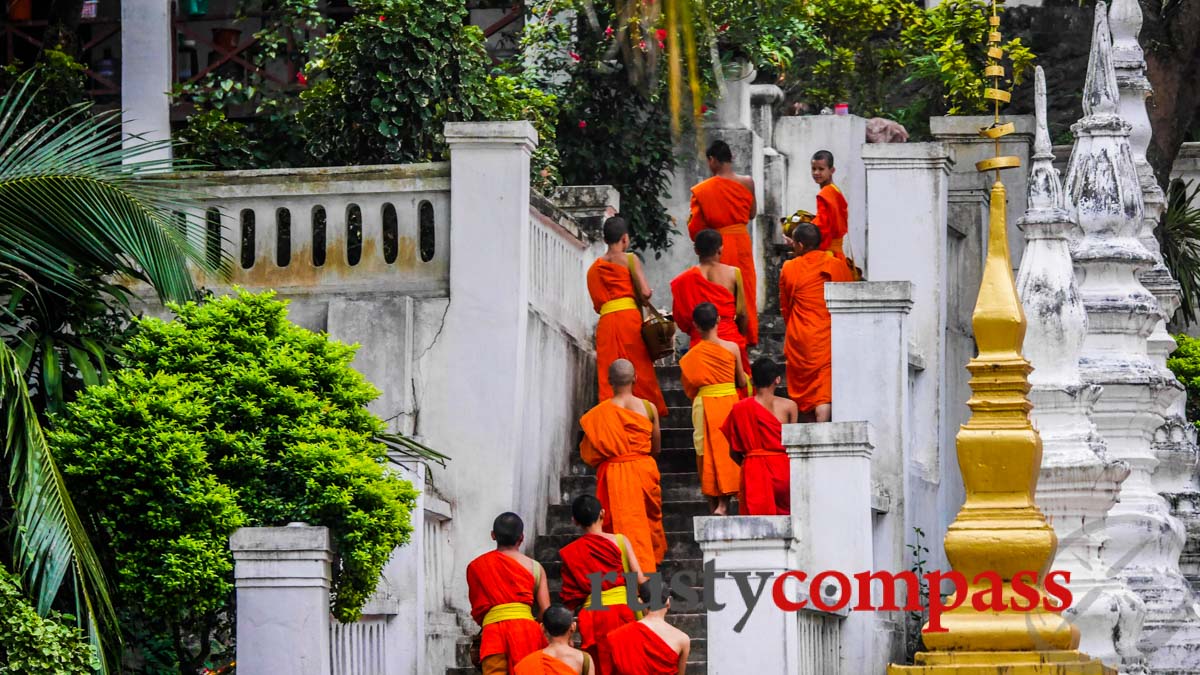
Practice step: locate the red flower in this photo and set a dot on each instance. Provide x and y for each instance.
(661, 33)
(302, 79)
(574, 56)
(703, 109)
(724, 27)
(382, 18)
(642, 45)
(582, 124)
(608, 32)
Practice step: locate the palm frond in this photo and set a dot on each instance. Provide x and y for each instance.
(50, 539)
(74, 200)
(410, 447)
(1179, 239)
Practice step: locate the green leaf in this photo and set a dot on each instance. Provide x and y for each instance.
(83, 363)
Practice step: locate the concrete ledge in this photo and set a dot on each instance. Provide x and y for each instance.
(491, 133)
(298, 537)
(862, 297)
(742, 528)
(908, 156)
(965, 128)
(828, 438)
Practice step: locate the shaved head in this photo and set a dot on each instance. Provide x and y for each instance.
(620, 373)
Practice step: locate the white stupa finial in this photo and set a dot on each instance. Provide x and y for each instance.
(1100, 95)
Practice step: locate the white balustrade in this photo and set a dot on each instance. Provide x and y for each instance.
(559, 257)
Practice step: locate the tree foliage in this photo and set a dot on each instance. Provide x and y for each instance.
(1185, 363)
(229, 415)
(30, 643)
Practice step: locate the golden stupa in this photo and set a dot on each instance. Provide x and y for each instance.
(999, 527)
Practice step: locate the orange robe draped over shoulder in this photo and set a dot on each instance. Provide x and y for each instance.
(725, 205)
(691, 289)
(541, 663)
(707, 364)
(807, 345)
(497, 579)
(833, 218)
(587, 555)
(766, 473)
(637, 650)
(616, 442)
(619, 333)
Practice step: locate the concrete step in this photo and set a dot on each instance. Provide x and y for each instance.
(680, 490)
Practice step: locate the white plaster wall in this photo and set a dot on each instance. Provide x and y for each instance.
(843, 135)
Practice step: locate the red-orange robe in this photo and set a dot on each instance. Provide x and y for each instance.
(690, 289)
(755, 432)
(725, 205)
(637, 650)
(807, 345)
(592, 554)
(832, 219)
(619, 333)
(617, 443)
(541, 663)
(497, 579)
(706, 364)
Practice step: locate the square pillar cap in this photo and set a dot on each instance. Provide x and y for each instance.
(829, 439)
(869, 297)
(491, 134)
(295, 538)
(908, 156)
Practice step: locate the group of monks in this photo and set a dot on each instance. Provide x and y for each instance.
(737, 431)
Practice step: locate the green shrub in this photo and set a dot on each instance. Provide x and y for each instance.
(396, 72)
(228, 416)
(1185, 363)
(33, 645)
(510, 100)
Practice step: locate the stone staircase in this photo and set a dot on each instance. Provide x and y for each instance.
(682, 499)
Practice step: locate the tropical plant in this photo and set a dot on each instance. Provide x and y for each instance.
(78, 222)
(228, 416)
(1178, 237)
(1185, 363)
(30, 643)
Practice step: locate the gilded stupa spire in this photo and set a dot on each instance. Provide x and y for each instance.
(999, 532)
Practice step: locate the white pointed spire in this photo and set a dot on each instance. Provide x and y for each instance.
(1100, 96)
(1045, 186)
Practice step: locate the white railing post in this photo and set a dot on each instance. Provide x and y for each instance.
(831, 518)
(282, 576)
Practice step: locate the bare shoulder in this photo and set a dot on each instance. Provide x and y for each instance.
(675, 637)
(745, 180)
(730, 347)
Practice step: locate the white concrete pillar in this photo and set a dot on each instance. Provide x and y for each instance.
(484, 332)
(871, 318)
(282, 576)
(907, 207)
(146, 46)
(831, 518)
(753, 548)
(961, 134)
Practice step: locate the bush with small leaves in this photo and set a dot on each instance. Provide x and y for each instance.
(32, 645)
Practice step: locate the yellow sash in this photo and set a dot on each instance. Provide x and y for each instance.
(613, 596)
(507, 612)
(618, 305)
(717, 390)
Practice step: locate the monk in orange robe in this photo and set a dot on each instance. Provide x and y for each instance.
(610, 282)
(755, 432)
(711, 373)
(559, 658)
(715, 282)
(508, 593)
(802, 303)
(651, 646)
(726, 203)
(621, 438)
(597, 552)
(832, 219)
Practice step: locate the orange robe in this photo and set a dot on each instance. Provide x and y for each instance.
(691, 289)
(637, 650)
(591, 554)
(541, 663)
(833, 219)
(725, 205)
(807, 345)
(497, 579)
(619, 333)
(755, 432)
(709, 365)
(617, 443)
